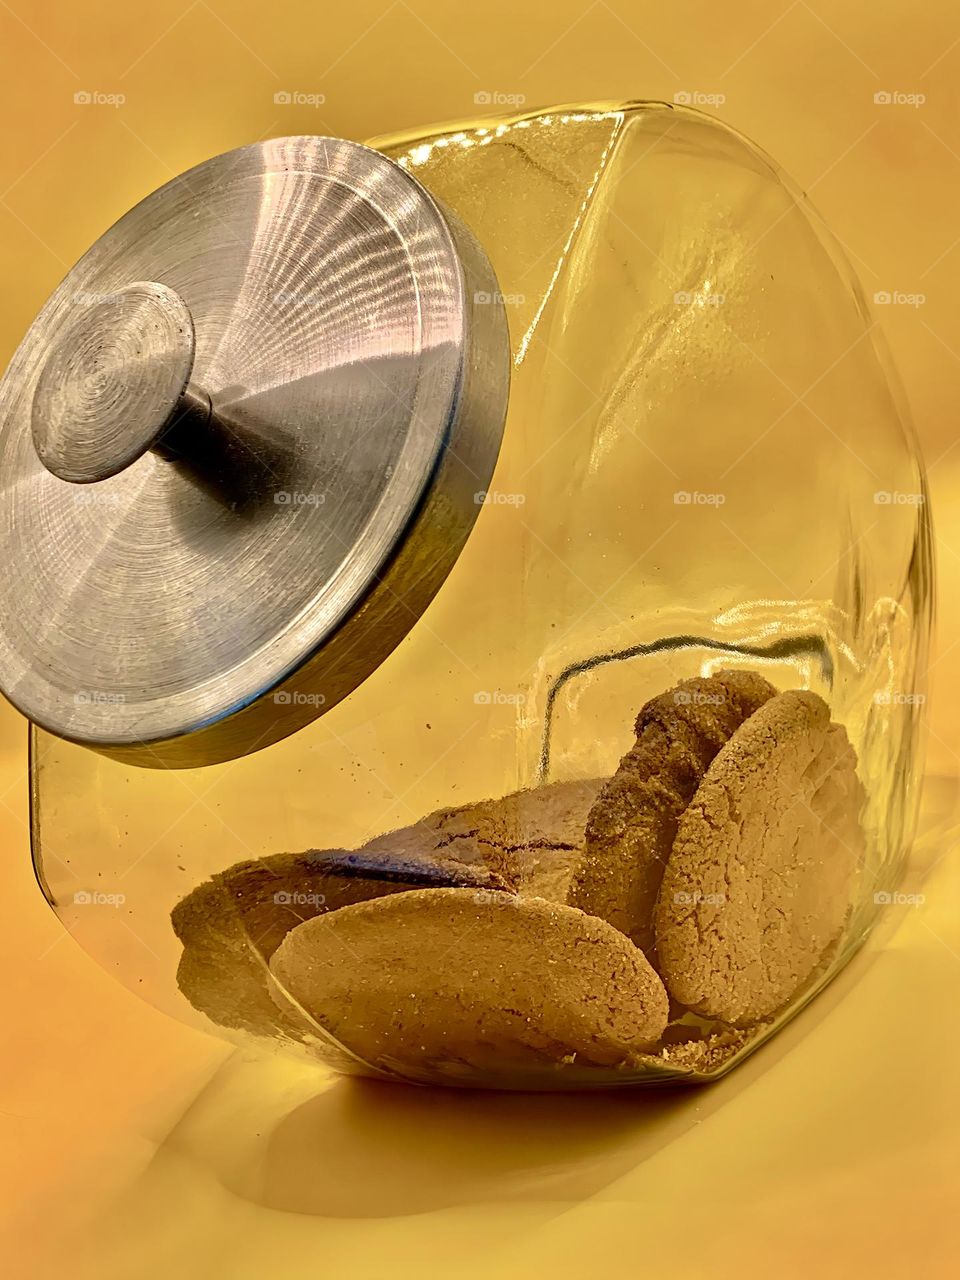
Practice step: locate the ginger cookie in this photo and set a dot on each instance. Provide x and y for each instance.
(455, 978)
(761, 876)
(530, 841)
(631, 828)
(232, 924)
(552, 822)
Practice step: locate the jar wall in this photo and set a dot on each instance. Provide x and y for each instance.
(706, 464)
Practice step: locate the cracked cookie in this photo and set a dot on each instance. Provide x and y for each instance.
(761, 875)
(531, 840)
(485, 979)
(631, 828)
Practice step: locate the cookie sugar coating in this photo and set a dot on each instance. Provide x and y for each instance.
(761, 875)
(488, 979)
(631, 828)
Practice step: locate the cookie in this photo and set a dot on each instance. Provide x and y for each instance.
(530, 841)
(232, 924)
(631, 828)
(551, 823)
(440, 978)
(761, 875)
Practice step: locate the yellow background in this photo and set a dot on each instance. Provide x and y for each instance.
(833, 1152)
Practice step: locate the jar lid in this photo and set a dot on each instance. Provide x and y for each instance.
(239, 451)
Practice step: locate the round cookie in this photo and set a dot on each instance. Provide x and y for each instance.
(631, 828)
(761, 875)
(231, 924)
(447, 978)
(530, 841)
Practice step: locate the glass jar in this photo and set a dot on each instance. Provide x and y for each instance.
(471, 864)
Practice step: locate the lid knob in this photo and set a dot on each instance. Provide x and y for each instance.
(117, 383)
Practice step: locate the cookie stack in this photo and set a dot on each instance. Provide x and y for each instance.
(565, 924)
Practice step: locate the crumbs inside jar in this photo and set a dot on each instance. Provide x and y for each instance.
(648, 924)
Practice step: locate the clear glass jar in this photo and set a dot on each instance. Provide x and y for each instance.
(706, 466)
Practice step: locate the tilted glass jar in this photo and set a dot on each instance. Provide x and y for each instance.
(705, 467)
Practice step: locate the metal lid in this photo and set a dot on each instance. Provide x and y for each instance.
(239, 449)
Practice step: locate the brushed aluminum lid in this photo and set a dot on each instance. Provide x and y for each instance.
(239, 449)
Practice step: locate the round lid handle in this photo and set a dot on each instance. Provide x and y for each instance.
(117, 383)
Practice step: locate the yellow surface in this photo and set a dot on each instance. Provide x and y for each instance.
(137, 1147)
